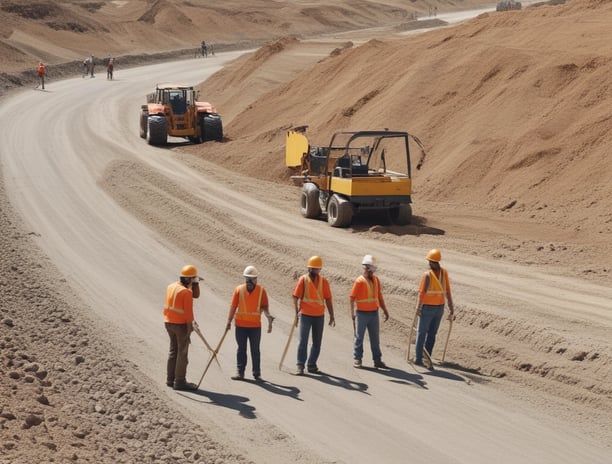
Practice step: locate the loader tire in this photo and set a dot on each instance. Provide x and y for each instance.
(157, 133)
(212, 127)
(310, 207)
(339, 212)
(401, 215)
(144, 116)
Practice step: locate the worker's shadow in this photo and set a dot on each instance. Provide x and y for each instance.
(336, 381)
(400, 376)
(469, 375)
(235, 402)
(285, 390)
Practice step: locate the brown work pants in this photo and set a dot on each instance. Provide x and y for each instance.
(176, 371)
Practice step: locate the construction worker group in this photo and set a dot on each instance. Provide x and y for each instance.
(312, 295)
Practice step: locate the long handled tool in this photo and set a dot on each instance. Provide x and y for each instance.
(295, 322)
(426, 356)
(196, 329)
(413, 328)
(213, 356)
(451, 318)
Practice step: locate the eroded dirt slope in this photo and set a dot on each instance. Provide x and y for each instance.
(513, 109)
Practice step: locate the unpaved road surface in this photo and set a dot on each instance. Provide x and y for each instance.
(119, 218)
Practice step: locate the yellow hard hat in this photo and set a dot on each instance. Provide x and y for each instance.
(434, 255)
(315, 262)
(189, 271)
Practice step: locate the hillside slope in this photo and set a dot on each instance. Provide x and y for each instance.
(513, 108)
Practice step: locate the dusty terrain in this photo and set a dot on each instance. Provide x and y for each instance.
(514, 110)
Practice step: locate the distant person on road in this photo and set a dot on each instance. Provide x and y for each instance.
(366, 300)
(42, 70)
(204, 49)
(248, 302)
(85, 67)
(92, 65)
(109, 68)
(434, 291)
(310, 296)
(178, 318)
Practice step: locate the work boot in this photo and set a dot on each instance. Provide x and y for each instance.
(258, 378)
(380, 365)
(299, 370)
(238, 376)
(313, 369)
(185, 386)
(357, 363)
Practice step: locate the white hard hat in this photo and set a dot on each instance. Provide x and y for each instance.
(370, 261)
(250, 271)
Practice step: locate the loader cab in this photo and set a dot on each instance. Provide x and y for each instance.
(369, 153)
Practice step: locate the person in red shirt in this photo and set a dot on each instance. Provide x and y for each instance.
(42, 70)
(366, 296)
(310, 296)
(178, 319)
(248, 302)
(434, 291)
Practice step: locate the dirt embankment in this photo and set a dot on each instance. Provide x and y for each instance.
(514, 133)
(63, 34)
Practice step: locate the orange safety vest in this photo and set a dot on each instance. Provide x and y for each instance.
(434, 293)
(369, 301)
(248, 314)
(312, 302)
(41, 70)
(179, 304)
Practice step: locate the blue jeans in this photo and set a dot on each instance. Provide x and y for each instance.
(253, 335)
(308, 323)
(429, 322)
(367, 320)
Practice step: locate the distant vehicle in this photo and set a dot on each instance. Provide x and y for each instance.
(356, 172)
(174, 110)
(505, 5)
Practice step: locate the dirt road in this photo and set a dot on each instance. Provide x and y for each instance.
(103, 206)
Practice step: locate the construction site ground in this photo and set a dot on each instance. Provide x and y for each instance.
(514, 113)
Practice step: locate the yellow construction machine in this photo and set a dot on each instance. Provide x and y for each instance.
(173, 110)
(356, 172)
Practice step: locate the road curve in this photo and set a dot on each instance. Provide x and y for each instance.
(104, 207)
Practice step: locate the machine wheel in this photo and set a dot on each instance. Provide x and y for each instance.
(157, 130)
(144, 116)
(310, 207)
(401, 215)
(212, 127)
(339, 212)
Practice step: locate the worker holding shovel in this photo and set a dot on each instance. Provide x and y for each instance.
(366, 299)
(178, 319)
(248, 302)
(434, 292)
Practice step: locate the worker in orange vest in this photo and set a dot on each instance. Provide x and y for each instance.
(434, 291)
(249, 301)
(178, 318)
(366, 300)
(42, 70)
(310, 296)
